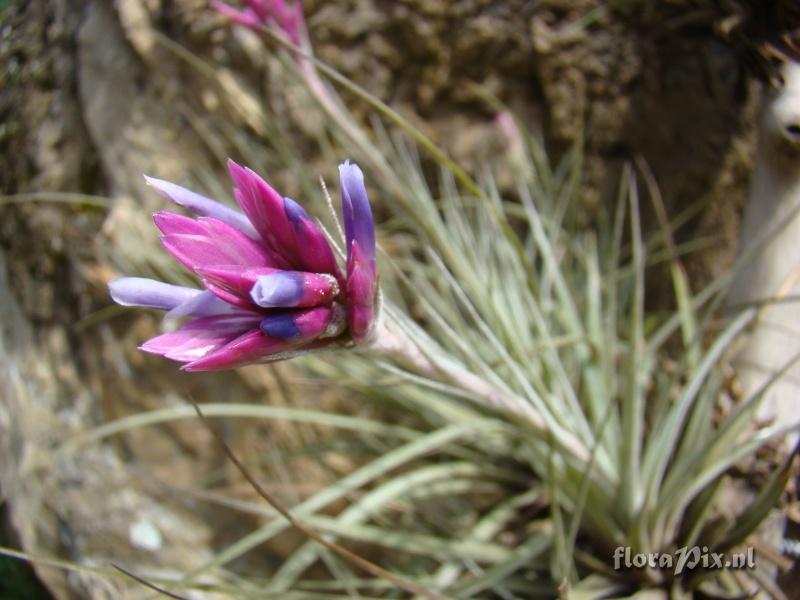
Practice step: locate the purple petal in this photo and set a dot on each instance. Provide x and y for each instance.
(202, 206)
(358, 224)
(249, 347)
(264, 207)
(313, 250)
(138, 291)
(294, 288)
(361, 289)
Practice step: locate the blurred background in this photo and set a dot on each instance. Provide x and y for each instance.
(94, 93)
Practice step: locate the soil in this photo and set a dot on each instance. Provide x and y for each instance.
(92, 96)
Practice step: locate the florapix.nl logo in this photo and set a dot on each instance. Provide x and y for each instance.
(683, 559)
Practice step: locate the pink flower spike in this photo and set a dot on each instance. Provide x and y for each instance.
(272, 288)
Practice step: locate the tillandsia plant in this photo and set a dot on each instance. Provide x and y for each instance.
(273, 288)
(531, 373)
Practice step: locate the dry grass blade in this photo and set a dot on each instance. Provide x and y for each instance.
(148, 584)
(76, 198)
(351, 557)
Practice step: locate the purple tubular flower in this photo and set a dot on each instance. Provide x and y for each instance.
(293, 288)
(358, 225)
(138, 291)
(272, 286)
(200, 205)
(178, 300)
(362, 273)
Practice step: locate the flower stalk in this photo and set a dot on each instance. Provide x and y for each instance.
(392, 343)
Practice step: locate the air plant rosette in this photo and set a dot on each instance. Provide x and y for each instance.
(525, 312)
(272, 288)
